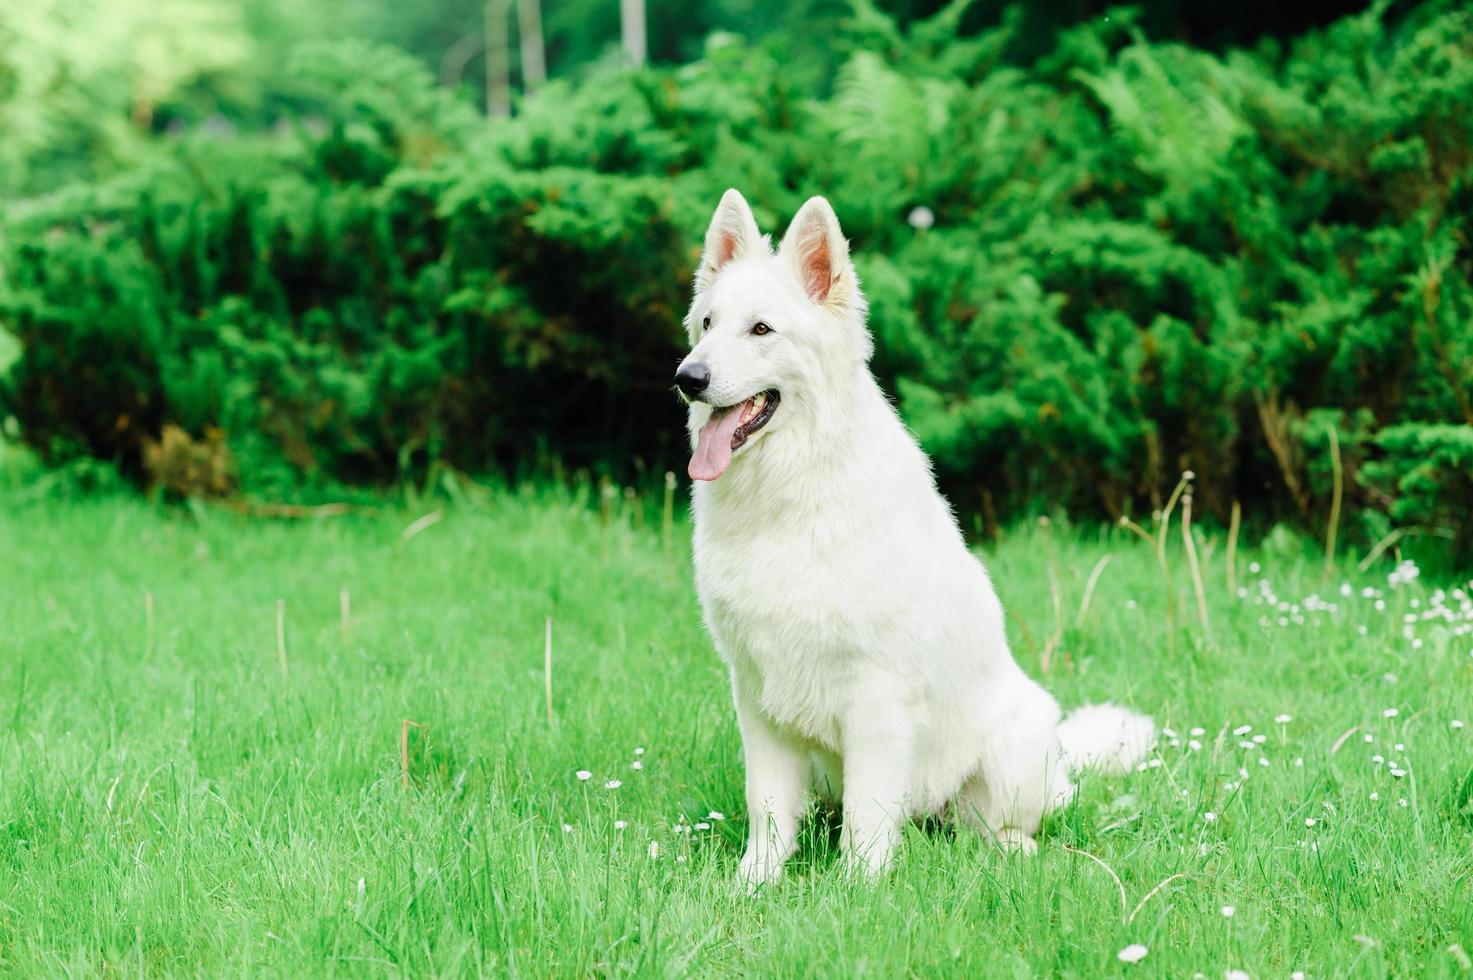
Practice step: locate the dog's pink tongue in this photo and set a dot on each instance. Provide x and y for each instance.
(713, 444)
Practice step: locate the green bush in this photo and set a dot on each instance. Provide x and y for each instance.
(1139, 258)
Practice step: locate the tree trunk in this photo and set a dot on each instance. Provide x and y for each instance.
(631, 18)
(529, 32)
(498, 61)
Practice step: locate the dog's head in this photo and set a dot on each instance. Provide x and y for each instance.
(772, 334)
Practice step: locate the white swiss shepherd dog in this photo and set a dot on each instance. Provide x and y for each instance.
(869, 662)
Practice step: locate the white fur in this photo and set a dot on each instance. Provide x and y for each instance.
(869, 661)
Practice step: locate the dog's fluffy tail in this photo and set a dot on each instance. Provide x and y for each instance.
(1106, 738)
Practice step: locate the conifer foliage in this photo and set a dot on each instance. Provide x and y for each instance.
(1087, 272)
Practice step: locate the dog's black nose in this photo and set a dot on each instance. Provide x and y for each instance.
(692, 379)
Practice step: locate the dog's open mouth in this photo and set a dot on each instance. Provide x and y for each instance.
(726, 430)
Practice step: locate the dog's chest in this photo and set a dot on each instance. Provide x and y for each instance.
(782, 611)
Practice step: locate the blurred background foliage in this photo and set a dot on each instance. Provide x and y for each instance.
(278, 248)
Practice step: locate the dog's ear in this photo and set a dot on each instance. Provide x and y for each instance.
(732, 235)
(820, 256)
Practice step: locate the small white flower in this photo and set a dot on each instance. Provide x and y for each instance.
(1283, 719)
(1209, 816)
(636, 764)
(921, 217)
(583, 774)
(1401, 802)
(567, 828)
(1130, 603)
(1404, 572)
(639, 750)
(703, 826)
(1297, 975)
(620, 824)
(1375, 795)
(1262, 761)
(1299, 762)
(1133, 953)
(1169, 734)
(613, 784)
(1390, 713)
(1242, 730)
(716, 815)
(1228, 911)
(1400, 747)
(680, 859)
(1194, 745)
(1369, 738)
(1259, 739)
(1310, 821)
(654, 849)
(1254, 567)
(1455, 724)
(1199, 732)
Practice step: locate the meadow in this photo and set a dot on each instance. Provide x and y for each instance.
(371, 778)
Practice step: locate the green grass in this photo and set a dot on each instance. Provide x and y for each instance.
(174, 804)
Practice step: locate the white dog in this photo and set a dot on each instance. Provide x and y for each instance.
(868, 657)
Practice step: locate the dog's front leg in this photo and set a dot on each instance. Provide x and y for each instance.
(878, 748)
(777, 769)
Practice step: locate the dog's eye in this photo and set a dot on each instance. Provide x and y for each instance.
(761, 330)
(706, 324)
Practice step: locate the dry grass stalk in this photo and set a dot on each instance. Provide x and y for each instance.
(1124, 902)
(607, 494)
(291, 511)
(281, 635)
(1278, 432)
(1193, 564)
(1232, 547)
(633, 508)
(1161, 566)
(1181, 487)
(1045, 659)
(1046, 531)
(1396, 535)
(1153, 892)
(404, 748)
(1089, 588)
(547, 668)
(429, 520)
(1338, 492)
(667, 515)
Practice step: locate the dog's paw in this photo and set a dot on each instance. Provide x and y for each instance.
(757, 870)
(1014, 841)
(868, 864)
